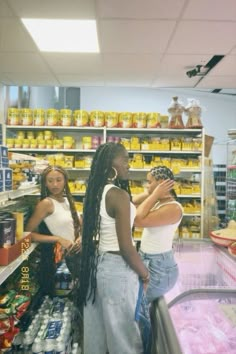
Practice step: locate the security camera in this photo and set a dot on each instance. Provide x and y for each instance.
(189, 73)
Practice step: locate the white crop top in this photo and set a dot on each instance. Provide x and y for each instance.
(159, 239)
(60, 222)
(108, 235)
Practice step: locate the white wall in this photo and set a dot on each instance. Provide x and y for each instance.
(219, 111)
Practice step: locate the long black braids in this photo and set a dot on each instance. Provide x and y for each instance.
(100, 170)
(163, 172)
(47, 263)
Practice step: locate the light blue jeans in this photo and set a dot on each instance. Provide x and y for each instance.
(109, 323)
(163, 273)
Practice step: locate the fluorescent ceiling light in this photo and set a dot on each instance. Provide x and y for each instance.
(63, 35)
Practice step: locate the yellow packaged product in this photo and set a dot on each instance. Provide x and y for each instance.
(87, 142)
(48, 135)
(26, 143)
(13, 117)
(10, 143)
(68, 142)
(33, 143)
(69, 161)
(30, 135)
(111, 119)
(38, 117)
(18, 143)
(139, 120)
(58, 144)
(125, 142)
(79, 162)
(26, 116)
(165, 144)
(197, 144)
(40, 135)
(135, 143)
(97, 119)
(66, 117)
(153, 120)
(48, 144)
(41, 144)
(87, 161)
(175, 144)
(20, 135)
(164, 121)
(80, 118)
(52, 117)
(187, 144)
(125, 120)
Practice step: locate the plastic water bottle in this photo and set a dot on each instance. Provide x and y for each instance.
(37, 347)
(60, 346)
(49, 346)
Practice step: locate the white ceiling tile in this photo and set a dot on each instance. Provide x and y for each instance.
(75, 63)
(83, 9)
(33, 79)
(5, 10)
(140, 9)
(80, 80)
(22, 63)
(123, 36)
(218, 82)
(175, 81)
(210, 10)
(14, 36)
(130, 64)
(127, 81)
(202, 37)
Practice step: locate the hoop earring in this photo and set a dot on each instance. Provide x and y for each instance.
(111, 179)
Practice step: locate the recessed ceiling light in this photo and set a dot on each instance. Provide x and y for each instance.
(63, 35)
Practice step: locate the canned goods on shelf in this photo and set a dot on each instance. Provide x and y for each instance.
(66, 117)
(153, 120)
(125, 120)
(87, 142)
(97, 119)
(26, 117)
(52, 117)
(139, 120)
(26, 143)
(20, 134)
(10, 143)
(111, 119)
(38, 117)
(81, 118)
(30, 134)
(18, 143)
(13, 116)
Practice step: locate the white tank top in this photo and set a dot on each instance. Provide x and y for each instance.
(60, 222)
(108, 235)
(159, 239)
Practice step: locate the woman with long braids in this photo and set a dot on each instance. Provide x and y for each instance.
(159, 213)
(54, 221)
(111, 268)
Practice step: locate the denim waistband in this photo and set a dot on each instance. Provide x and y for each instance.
(163, 256)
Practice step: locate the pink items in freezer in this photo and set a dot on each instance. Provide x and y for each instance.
(211, 332)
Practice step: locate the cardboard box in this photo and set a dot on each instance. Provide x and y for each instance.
(8, 255)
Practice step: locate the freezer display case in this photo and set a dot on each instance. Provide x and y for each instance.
(202, 306)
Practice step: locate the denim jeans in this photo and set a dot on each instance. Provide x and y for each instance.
(163, 273)
(109, 323)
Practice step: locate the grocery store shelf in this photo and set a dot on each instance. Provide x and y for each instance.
(14, 194)
(45, 127)
(6, 271)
